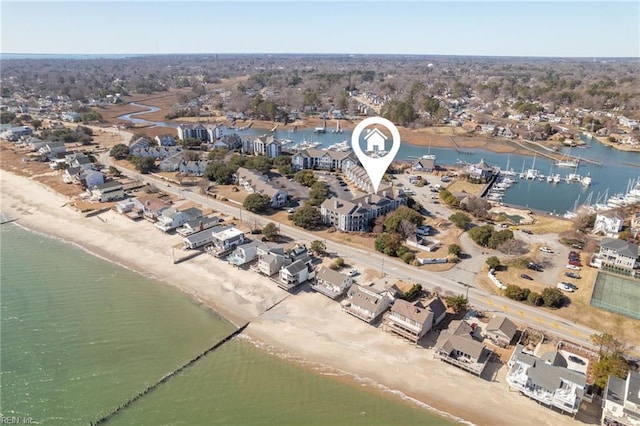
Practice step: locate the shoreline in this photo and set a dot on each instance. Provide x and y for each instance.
(328, 341)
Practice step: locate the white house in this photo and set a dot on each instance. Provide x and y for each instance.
(323, 159)
(413, 320)
(108, 191)
(52, 149)
(331, 283)
(295, 274)
(171, 218)
(245, 253)
(197, 225)
(365, 304)
(618, 255)
(267, 146)
(227, 240)
(456, 347)
(202, 238)
(608, 223)
(621, 401)
(375, 140)
(90, 178)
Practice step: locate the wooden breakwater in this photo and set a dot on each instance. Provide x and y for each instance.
(166, 377)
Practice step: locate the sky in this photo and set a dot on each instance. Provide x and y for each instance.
(503, 28)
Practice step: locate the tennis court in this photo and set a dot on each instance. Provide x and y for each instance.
(617, 294)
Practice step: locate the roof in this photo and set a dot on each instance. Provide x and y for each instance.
(227, 234)
(153, 203)
(437, 306)
(615, 389)
(465, 344)
(193, 212)
(554, 358)
(112, 184)
(502, 324)
(610, 214)
(296, 267)
(194, 223)
(329, 275)
(623, 248)
(364, 298)
(548, 376)
(413, 311)
(633, 393)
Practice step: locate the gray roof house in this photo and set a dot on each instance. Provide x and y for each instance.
(456, 346)
(619, 255)
(199, 224)
(254, 182)
(621, 401)
(331, 283)
(501, 331)
(295, 274)
(412, 320)
(365, 304)
(271, 263)
(546, 379)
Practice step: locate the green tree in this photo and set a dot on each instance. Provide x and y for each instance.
(607, 343)
(114, 171)
(458, 303)
(190, 155)
(307, 217)
(481, 234)
(144, 164)
(285, 169)
(271, 231)
(552, 297)
(91, 116)
(499, 237)
(119, 151)
(337, 264)
(257, 203)
(431, 105)
(460, 220)
(317, 247)
(412, 293)
(36, 124)
(7, 117)
(388, 243)
(394, 221)
(516, 292)
(455, 250)
(217, 154)
(610, 364)
(219, 172)
(318, 193)
(305, 177)
(493, 262)
(535, 299)
(259, 163)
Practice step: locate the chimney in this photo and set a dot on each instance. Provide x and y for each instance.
(201, 225)
(335, 204)
(384, 193)
(367, 199)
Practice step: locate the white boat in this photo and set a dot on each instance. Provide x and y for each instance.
(507, 171)
(586, 180)
(522, 173)
(509, 180)
(616, 200)
(568, 161)
(532, 173)
(557, 178)
(573, 177)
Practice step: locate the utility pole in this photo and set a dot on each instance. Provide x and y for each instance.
(382, 268)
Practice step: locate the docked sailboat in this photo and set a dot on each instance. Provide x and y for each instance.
(507, 171)
(532, 173)
(586, 180)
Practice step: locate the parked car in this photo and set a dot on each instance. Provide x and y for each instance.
(575, 262)
(534, 266)
(572, 275)
(546, 249)
(291, 210)
(577, 246)
(353, 272)
(526, 231)
(526, 277)
(574, 267)
(566, 287)
(577, 360)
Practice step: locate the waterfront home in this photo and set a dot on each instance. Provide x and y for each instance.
(298, 252)
(140, 143)
(618, 256)
(270, 264)
(621, 401)
(90, 178)
(72, 175)
(608, 223)
(331, 283)
(152, 206)
(254, 182)
(295, 274)
(412, 320)
(480, 171)
(197, 225)
(501, 331)
(78, 159)
(165, 140)
(172, 218)
(267, 146)
(366, 304)
(107, 191)
(202, 238)
(456, 346)
(226, 240)
(52, 149)
(546, 379)
(424, 165)
(197, 131)
(323, 159)
(246, 253)
(172, 163)
(357, 214)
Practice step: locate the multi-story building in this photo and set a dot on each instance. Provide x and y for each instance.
(357, 214)
(621, 401)
(608, 223)
(618, 255)
(414, 320)
(323, 159)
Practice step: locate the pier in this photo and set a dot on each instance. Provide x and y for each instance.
(166, 377)
(552, 156)
(457, 148)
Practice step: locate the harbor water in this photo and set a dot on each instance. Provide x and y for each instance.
(81, 335)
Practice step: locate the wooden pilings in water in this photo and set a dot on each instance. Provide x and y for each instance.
(166, 377)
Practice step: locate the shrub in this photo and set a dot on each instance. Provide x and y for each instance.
(552, 297)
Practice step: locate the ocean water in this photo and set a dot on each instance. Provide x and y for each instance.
(80, 336)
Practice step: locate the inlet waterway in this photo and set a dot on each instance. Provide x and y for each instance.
(611, 176)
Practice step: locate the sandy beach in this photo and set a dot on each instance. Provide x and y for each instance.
(305, 327)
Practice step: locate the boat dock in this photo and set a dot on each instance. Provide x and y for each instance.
(553, 156)
(457, 148)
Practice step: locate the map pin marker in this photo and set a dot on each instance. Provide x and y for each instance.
(376, 141)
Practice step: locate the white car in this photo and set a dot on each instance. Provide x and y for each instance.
(353, 272)
(546, 249)
(567, 287)
(574, 267)
(291, 210)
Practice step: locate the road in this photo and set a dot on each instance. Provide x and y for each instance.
(462, 283)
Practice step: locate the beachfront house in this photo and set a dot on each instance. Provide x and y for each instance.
(621, 401)
(501, 331)
(16, 132)
(323, 159)
(202, 238)
(197, 225)
(107, 191)
(246, 253)
(172, 218)
(52, 149)
(331, 283)
(366, 304)
(608, 223)
(226, 240)
(357, 214)
(412, 320)
(481, 171)
(78, 159)
(456, 346)
(295, 274)
(90, 178)
(618, 256)
(270, 264)
(546, 379)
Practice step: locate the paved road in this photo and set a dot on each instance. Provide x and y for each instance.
(459, 281)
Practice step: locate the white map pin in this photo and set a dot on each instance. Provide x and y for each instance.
(375, 167)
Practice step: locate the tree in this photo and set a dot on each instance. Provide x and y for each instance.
(493, 262)
(285, 169)
(516, 292)
(552, 297)
(610, 364)
(431, 105)
(307, 217)
(477, 206)
(144, 164)
(318, 247)
(412, 293)
(394, 221)
(217, 154)
(337, 264)
(513, 246)
(535, 299)
(305, 177)
(481, 234)
(219, 172)
(114, 171)
(7, 117)
(318, 193)
(36, 124)
(388, 243)
(458, 303)
(90, 116)
(259, 163)
(257, 203)
(190, 155)
(119, 151)
(499, 237)
(271, 231)
(607, 343)
(460, 220)
(455, 250)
